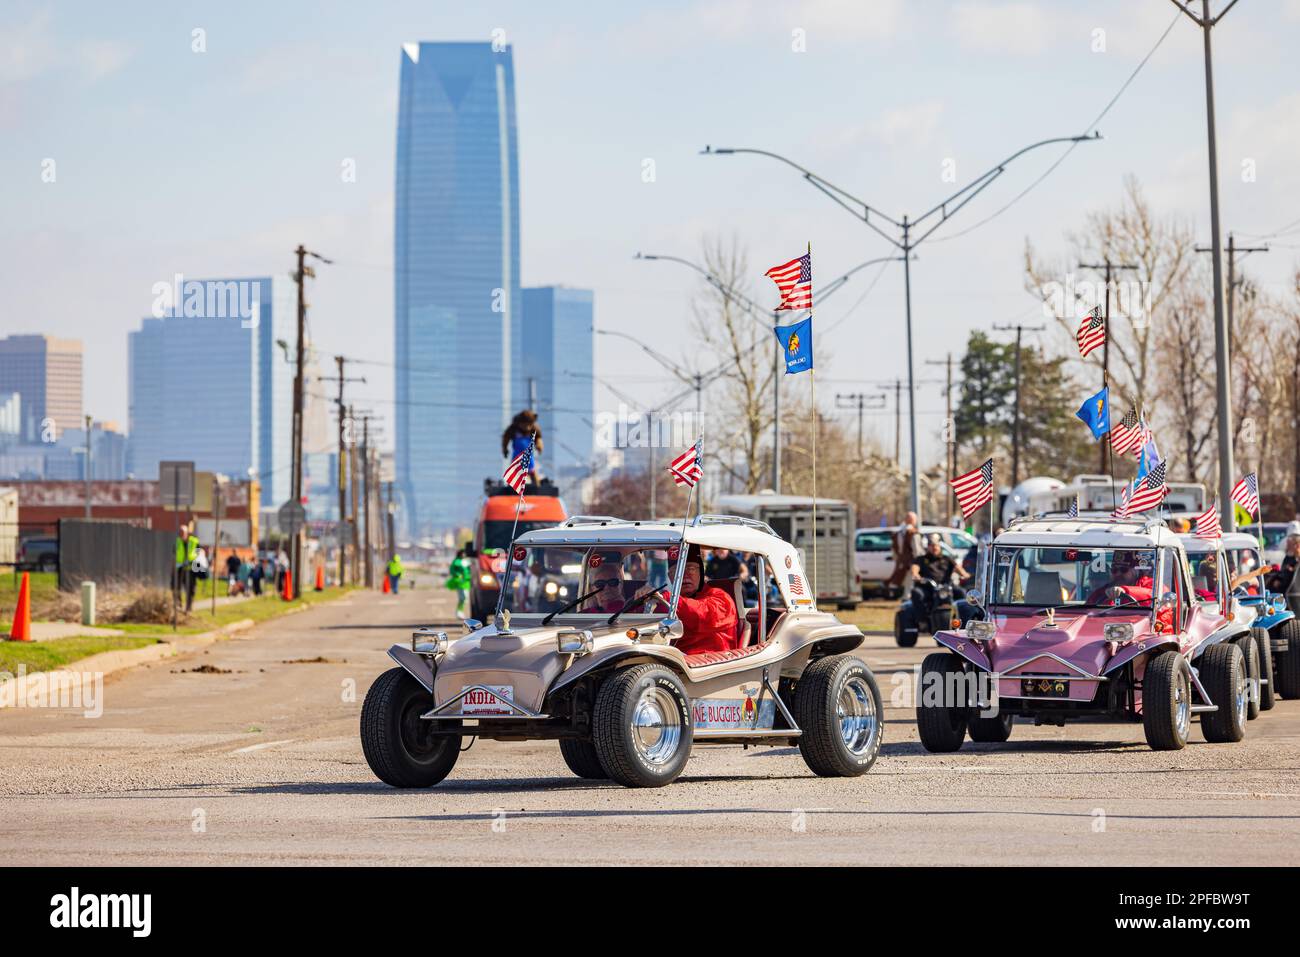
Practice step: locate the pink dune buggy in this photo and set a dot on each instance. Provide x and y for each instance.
(1089, 618)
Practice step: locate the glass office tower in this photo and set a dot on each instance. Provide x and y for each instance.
(456, 277)
(558, 356)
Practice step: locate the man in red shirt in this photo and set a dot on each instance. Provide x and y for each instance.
(707, 613)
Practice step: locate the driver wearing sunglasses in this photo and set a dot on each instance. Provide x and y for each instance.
(608, 577)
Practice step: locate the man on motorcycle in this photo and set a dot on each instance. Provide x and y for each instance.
(935, 566)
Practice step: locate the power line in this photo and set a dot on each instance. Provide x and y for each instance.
(1061, 159)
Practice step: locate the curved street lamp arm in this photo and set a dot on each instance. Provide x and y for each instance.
(820, 182)
(977, 185)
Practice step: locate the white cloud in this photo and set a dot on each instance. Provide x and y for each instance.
(1018, 28)
(101, 58)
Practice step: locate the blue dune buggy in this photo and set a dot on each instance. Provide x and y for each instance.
(1276, 629)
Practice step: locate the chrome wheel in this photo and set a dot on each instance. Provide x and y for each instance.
(656, 726)
(856, 710)
(1240, 696)
(1183, 708)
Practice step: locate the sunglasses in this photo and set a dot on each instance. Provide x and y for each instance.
(606, 582)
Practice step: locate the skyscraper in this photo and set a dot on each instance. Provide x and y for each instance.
(456, 276)
(208, 383)
(558, 354)
(46, 373)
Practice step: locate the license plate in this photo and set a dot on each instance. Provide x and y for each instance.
(488, 700)
(1044, 687)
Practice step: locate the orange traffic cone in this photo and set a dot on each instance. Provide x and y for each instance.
(288, 585)
(387, 587)
(320, 577)
(21, 630)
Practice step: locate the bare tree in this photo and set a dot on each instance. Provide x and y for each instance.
(1164, 251)
(740, 346)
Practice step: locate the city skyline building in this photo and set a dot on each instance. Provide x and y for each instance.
(47, 374)
(558, 365)
(210, 382)
(457, 308)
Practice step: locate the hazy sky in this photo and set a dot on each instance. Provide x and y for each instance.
(219, 163)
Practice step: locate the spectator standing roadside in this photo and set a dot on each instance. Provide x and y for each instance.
(907, 548)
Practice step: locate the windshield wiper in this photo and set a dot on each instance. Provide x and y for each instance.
(575, 602)
(633, 603)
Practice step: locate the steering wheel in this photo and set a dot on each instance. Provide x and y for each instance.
(653, 600)
(1118, 596)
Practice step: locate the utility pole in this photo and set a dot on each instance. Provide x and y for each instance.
(344, 440)
(365, 496)
(392, 534)
(352, 489)
(859, 400)
(1222, 359)
(1015, 422)
(950, 430)
(1108, 268)
(89, 472)
(300, 277)
(1233, 279)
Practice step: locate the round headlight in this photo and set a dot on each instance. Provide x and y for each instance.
(486, 579)
(552, 588)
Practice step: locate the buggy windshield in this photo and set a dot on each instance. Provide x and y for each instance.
(1080, 577)
(590, 580)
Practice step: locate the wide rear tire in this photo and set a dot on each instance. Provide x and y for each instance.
(1250, 656)
(1267, 688)
(641, 726)
(837, 707)
(581, 757)
(402, 748)
(1223, 673)
(1167, 702)
(941, 722)
(993, 730)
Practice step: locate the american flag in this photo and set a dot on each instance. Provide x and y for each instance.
(1121, 510)
(1207, 523)
(1092, 332)
(1246, 493)
(1073, 511)
(1129, 434)
(1150, 490)
(686, 469)
(516, 473)
(974, 489)
(794, 280)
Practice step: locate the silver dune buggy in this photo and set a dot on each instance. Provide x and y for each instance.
(583, 651)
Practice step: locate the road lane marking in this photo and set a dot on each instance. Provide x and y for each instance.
(259, 747)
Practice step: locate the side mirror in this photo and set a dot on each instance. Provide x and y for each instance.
(671, 629)
(975, 598)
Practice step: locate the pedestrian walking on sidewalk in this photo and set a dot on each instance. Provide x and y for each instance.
(394, 572)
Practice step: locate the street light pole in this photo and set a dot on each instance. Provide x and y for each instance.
(1222, 359)
(904, 242)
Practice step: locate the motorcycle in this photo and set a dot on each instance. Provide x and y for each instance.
(939, 604)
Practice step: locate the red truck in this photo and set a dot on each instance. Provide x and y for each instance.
(542, 507)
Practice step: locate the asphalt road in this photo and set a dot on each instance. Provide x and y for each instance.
(256, 760)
